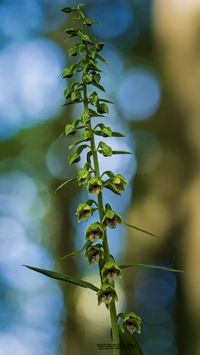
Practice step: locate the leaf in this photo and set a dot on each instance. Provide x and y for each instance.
(150, 267)
(84, 36)
(74, 158)
(77, 252)
(118, 134)
(100, 87)
(110, 187)
(69, 9)
(70, 128)
(141, 230)
(108, 173)
(121, 152)
(64, 277)
(129, 344)
(65, 183)
(102, 59)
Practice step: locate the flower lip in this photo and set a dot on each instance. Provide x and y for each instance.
(131, 327)
(107, 297)
(95, 185)
(112, 222)
(112, 274)
(93, 236)
(95, 257)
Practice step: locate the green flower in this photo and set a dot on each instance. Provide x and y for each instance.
(94, 253)
(132, 323)
(83, 212)
(111, 218)
(94, 232)
(110, 271)
(95, 185)
(83, 176)
(106, 294)
(118, 183)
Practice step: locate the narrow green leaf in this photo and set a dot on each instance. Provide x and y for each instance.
(141, 230)
(109, 173)
(100, 87)
(64, 277)
(150, 267)
(102, 59)
(74, 158)
(121, 152)
(77, 252)
(65, 183)
(118, 134)
(69, 9)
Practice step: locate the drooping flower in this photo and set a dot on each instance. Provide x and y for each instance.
(111, 271)
(94, 232)
(83, 176)
(94, 253)
(111, 219)
(132, 323)
(95, 185)
(106, 294)
(84, 211)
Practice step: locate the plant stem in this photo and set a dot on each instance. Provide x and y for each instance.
(113, 314)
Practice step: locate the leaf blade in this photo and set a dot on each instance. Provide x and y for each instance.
(65, 183)
(148, 266)
(63, 277)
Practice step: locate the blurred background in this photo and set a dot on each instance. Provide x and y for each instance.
(153, 76)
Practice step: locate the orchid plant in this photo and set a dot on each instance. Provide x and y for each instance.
(85, 88)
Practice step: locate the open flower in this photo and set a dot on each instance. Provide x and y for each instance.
(94, 253)
(94, 232)
(110, 271)
(106, 294)
(83, 176)
(111, 218)
(84, 211)
(95, 185)
(118, 183)
(132, 323)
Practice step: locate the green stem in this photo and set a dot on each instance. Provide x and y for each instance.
(113, 314)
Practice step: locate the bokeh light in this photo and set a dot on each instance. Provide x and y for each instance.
(116, 17)
(139, 93)
(31, 92)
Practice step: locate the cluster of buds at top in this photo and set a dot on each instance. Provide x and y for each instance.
(106, 294)
(111, 271)
(130, 322)
(95, 186)
(94, 232)
(111, 218)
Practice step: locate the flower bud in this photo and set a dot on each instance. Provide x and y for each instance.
(94, 253)
(94, 232)
(106, 294)
(132, 323)
(83, 176)
(83, 212)
(95, 185)
(111, 219)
